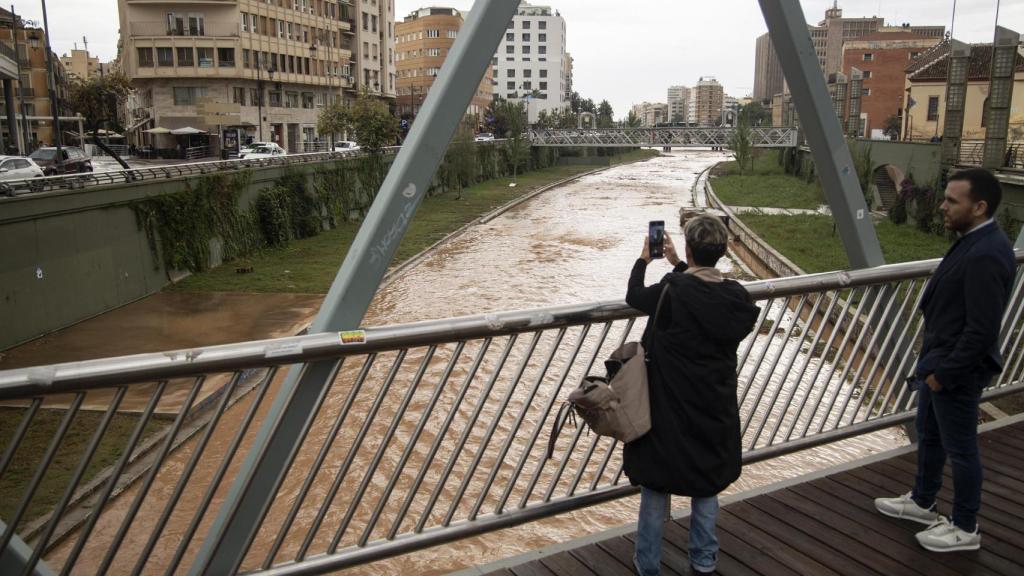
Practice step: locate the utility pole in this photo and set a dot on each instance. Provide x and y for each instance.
(24, 149)
(53, 87)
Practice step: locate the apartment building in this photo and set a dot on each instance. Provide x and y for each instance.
(531, 61)
(261, 69)
(79, 65)
(768, 77)
(678, 104)
(31, 93)
(709, 98)
(422, 42)
(651, 113)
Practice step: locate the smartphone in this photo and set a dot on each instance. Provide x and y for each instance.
(656, 234)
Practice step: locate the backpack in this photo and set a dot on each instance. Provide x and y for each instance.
(618, 404)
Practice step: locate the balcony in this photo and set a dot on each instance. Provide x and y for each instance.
(161, 29)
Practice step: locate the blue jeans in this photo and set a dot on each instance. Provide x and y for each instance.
(654, 509)
(947, 424)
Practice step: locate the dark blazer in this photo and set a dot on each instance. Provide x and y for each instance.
(963, 308)
(693, 448)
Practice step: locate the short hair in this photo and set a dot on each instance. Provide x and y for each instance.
(983, 186)
(707, 238)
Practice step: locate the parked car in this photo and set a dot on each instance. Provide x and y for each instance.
(248, 147)
(484, 137)
(18, 168)
(73, 160)
(346, 146)
(263, 150)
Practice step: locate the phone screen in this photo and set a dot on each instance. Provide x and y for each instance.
(656, 233)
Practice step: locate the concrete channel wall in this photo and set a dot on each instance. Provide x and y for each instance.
(74, 254)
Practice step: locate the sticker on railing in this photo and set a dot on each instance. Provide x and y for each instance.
(352, 337)
(283, 349)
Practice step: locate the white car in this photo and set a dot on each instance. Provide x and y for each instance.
(261, 150)
(346, 146)
(18, 168)
(484, 137)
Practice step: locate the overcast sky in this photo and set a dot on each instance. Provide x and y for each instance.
(626, 52)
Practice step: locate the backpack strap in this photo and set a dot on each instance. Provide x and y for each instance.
(654, 323)
(564, 413)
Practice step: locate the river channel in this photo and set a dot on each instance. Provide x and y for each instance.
(573, 244)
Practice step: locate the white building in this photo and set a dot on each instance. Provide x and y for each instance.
(678, 104)
(531, 60)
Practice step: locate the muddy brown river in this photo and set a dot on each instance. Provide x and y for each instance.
(573, 244)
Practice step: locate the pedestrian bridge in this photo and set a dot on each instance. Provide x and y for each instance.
(673, 137)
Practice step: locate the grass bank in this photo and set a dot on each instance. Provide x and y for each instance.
(766, 186)
(808, 241)
(35, 443)
(308, 266)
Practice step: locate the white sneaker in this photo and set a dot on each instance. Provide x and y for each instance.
(944, 536)
(905, 508)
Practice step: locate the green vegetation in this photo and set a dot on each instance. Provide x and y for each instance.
(309, 265)
(765, 186)
(808, 241)
(35, 443)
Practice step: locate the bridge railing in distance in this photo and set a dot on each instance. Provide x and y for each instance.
(677, 137)
(430, 432)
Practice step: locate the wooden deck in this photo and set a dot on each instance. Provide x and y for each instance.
(828, 526)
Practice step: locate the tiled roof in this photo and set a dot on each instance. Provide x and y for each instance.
(932, 66)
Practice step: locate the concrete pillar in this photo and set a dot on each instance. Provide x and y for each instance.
(12, 116)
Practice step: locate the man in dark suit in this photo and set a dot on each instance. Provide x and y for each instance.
(963, 307)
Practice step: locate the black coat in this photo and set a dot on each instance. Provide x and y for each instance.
(693, 448)
(963, 309)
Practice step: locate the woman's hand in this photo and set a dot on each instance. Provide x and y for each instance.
(646, 254)
(670, 251)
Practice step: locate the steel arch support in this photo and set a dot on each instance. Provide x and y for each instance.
(788, 30)
(293, 409)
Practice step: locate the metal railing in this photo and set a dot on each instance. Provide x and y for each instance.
(209, 30)
(197, 152)
(8, 51)
(972, 153)
(316, 146)
(119, 149)
(676, 137)
(432, 431)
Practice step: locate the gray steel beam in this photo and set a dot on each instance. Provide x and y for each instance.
(788, 30)
(1000, 97)
(16, 555)
(956, 98)
(294, 408)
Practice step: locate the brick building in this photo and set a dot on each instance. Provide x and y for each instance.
(883, 57)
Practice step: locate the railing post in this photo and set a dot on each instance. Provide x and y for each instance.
(788, 30)
(294, 408)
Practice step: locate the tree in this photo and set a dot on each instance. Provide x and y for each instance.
(892, 127)
(373, 124)
(633, 120)
(758, 114)
(740, 141)
(517, 147)
(463, 154)
(333, 119)
(605, 115)
(97, 99)
(496, 119)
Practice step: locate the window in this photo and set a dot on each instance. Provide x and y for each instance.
(308, 99)
(543, 85)
(291, 64)
(453, 34)
(542, 49)
(433, 71)
(165, 56)
(145, 57)
(867, 74)
(526, 37)
(933, 108)
(245, 22)
(245, 58)
(205, 57)
(433, 33)
(433, 51)
(366, 21)
(543, 25)
(526, 24)
(527, 85)
(188, 95)
(914, 55)
(526, 49)
(543, 73)
(292, 100)
(195, 25)
(527, 73)
(510, 49)
(868, 57)
(226, 57)
(373, 21)
(511, 73)
(865, 92)
(186, 57)
(510, 37)
(275, 99)
(238, 96)
(542, 37)
(254, 97)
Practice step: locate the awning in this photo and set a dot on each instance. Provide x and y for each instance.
(187, 131)
(157, 130)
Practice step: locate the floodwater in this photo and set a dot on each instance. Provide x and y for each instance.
(571, 245)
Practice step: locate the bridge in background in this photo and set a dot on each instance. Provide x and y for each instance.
(673, 137)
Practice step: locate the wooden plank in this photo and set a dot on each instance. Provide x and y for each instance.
(621, 549)
(564, 564)
(848, 551)
(1009, 437)
(737, 519)
(731, 554)
(991, 494)
(600, 562)
(532, 568)
(825, 519)
(673, 559)
(858, 508)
